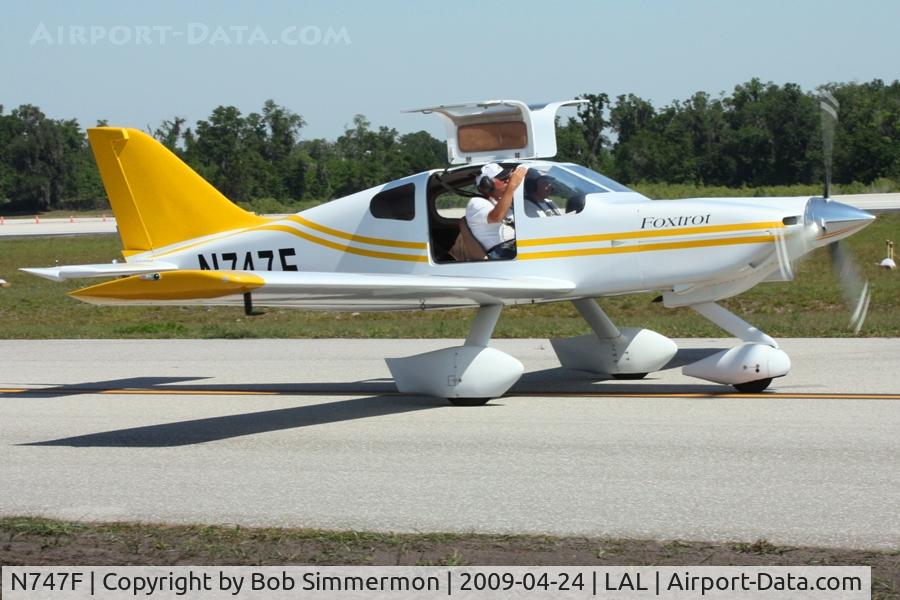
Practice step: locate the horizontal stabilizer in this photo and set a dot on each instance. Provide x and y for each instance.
(99, 270)
(174, 285)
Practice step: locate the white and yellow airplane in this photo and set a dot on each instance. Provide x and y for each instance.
(391, 248)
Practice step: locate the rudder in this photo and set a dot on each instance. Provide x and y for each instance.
(157, 199)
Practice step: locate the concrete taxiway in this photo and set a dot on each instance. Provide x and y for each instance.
(70, 226)
(310, 433)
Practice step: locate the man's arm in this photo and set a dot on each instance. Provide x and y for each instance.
(505, 201)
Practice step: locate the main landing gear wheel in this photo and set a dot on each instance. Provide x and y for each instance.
(753, 387)
(629, 375)
(468, 401)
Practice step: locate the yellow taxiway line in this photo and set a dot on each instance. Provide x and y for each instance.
(62, 390)
(163, 392)
(826, 396)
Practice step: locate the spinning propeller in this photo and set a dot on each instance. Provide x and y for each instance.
(825, 219)
(853, 284)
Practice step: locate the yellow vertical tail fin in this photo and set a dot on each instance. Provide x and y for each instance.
(157, 199)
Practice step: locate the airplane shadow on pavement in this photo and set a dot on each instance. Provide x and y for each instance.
(61, 390)
(156, 385)
(382, 400)
(198, 431)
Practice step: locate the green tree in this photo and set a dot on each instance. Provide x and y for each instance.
(867, 141)
(170, 133)
(317, 175)
(44, 157)
(708, 136)
(637, 154)
(228, 151)
(594, 123)
(7, 132)
(280, 148)
(367, 157)
(793, 123)
(283, 127)
(420, 151)
(776, 135)
(571, 145)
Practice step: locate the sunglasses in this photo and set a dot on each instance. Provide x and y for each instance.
(504, 176)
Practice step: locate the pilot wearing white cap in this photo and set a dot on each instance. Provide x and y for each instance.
(489, 216)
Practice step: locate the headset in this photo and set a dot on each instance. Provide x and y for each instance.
(485, 185)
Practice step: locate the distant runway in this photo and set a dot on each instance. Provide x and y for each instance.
(311, 433)
(95, 225)
(74, 226)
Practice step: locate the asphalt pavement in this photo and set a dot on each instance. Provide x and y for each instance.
(310, 433)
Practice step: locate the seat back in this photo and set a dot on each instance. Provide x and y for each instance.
(467, 247)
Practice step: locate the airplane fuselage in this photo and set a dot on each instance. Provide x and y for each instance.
(620, 242)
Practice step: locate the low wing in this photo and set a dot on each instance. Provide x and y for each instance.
(99, 270)
(325, 291)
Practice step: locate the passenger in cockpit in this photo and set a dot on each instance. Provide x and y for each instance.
(537, 197)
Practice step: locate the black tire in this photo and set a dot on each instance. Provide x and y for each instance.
(468, 401)
(753, 387)
(629, 375)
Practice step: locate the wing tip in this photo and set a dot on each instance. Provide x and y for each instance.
(51, 273)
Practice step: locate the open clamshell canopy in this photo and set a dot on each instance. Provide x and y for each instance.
(497, 130)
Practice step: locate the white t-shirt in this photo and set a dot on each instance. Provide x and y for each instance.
(489, 234)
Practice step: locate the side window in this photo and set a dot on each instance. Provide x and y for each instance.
(398, 203)
(451, 205)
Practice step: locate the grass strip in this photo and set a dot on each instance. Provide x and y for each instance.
(38, 541)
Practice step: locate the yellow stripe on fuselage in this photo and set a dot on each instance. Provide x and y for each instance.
(196, 244)
(523, 243)
(631, 235)
(361, 239)
(344, 248)
(759, 239)
(323, 242)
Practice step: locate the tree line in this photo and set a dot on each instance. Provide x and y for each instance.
(762, 134)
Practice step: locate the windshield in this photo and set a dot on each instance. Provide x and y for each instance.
(602, 180)
(554, 188)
